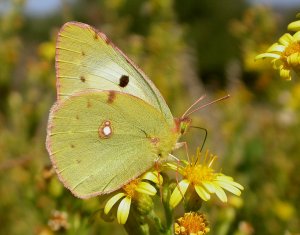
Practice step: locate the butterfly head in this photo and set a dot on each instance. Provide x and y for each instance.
(182, 124)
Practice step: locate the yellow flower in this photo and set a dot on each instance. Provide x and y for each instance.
(295, 26)
(200, 175)
(285, 53)
(132, 191)
(191, 223)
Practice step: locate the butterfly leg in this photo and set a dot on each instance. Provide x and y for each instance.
(185, 145)
(176, 174)
(177, 146)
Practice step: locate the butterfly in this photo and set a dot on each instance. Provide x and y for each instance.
(110, 123)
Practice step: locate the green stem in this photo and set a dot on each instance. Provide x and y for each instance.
(136, 224)
(169, 218)
(168, 211)
(152, 216)
(159, 226)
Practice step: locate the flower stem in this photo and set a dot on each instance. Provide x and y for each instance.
(136, 224)
(168, 211)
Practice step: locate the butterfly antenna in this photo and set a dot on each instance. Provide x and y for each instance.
(205, 105)
(196, 102)
(205, 135)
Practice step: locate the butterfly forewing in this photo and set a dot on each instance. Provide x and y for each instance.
(100, 140)
(87, 59)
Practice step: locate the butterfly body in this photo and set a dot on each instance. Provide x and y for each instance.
(110, 124)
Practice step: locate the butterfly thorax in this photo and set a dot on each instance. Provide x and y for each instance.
(165, 143)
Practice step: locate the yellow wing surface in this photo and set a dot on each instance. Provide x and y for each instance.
(100, 140)
(86, 59)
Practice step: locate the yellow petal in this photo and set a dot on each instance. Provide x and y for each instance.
(285, 74)
(294, 59)
(146, 188)
(175, 167)
(237, 185)
(229, 180)
(123, 210)
(276, 48)
(267, 55)
(224, 177)
(277, 63)
(111, 202)
(294, 26)
(177, 194)
(202, 193)
(270, 48)
(153, 176)
(150, 175)
(297, 36)
(220, 193)
(209, 186)
(286, 39)
(229, 187)
(172, 166)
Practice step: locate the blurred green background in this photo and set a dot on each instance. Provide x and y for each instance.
(188, 48)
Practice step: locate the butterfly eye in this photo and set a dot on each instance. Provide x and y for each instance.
(184, 124)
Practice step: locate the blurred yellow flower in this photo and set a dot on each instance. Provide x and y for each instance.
(200, 175)
(191, 223)
(47, 50)
(132, 191)
(285, 53)
(58, 220)
(295, 26)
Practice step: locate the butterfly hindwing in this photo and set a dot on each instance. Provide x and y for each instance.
(100, 140)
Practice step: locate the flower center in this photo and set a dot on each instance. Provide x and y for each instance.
(191, 223)
(130, 188)
(288, 56)
(291, 49)
(196, 174)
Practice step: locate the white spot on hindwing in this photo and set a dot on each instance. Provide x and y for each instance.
(105, 130)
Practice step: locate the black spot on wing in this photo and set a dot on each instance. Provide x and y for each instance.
(82, 78)
(124, 80)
